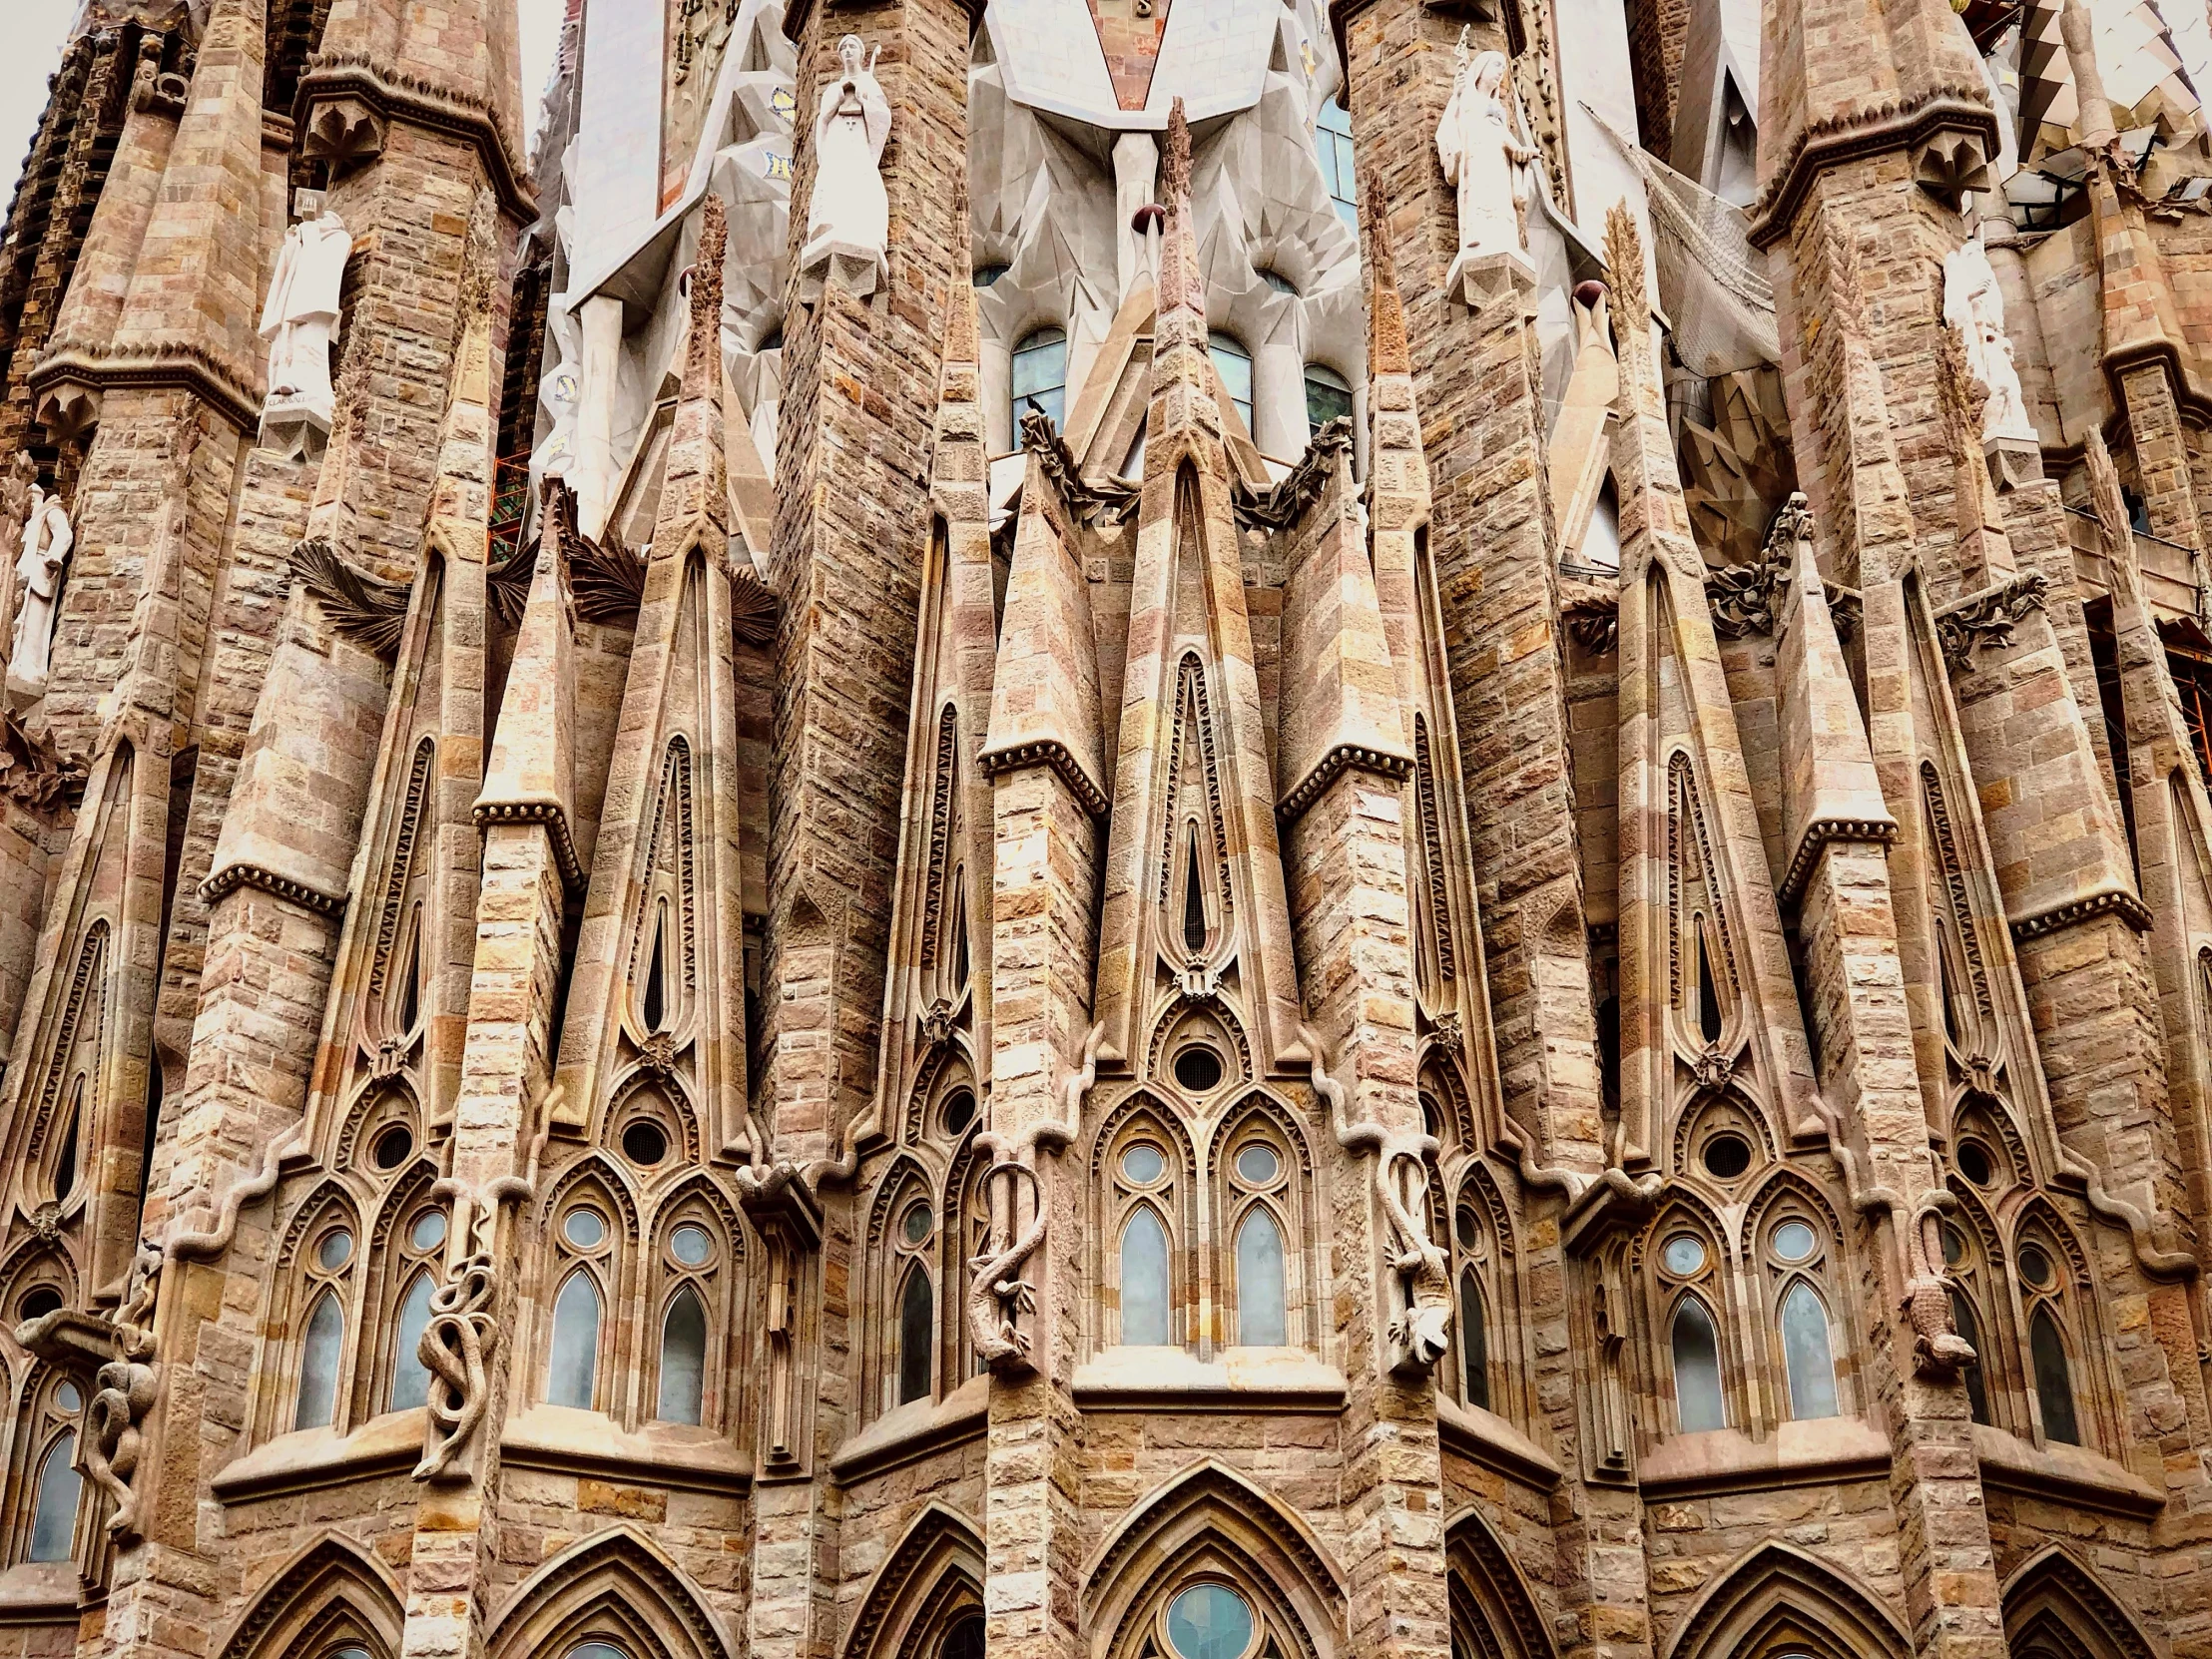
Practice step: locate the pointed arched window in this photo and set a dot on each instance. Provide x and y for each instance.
(1970, 1327)
(1144, 1281)
(2046, 1347)
(411, 1378)
(319, 1356)
(1698, 1400)
(572, 1366)
(1474, 1342)
(1807, 1353)
(918, 1334)
(1263, 1309)
(54, 1520)
(682, 1358)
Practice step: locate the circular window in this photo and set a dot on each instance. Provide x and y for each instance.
(1209, 1621)
(691, 1245)
(960, 1112)
(1258, 1164)
(1198, 1069)
(392, 1146)
(336, 1249)
(65, 1398)
(915, 1226)
(1793, 1241)
(1143, 1165)
(428, 1231)
(2035, 1267)
(584, 1230)
(644, 1143)
(40, 1301)
(1974, 1163)
(1954, 1246)
(1683, 1254)
(1470, 1231)
(1727, 1156)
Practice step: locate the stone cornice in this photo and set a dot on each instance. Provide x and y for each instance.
(1047, 751)
(2113, 901)
(395, 95)
(1346, 757)
(1818, 835)
(548, 813)
(1838, 139)
(164, 363)
(230, 877)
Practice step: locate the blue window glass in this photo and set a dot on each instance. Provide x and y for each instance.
(1332, 143)
(1042, 375)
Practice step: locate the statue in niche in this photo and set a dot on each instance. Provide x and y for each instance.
(1974, 305)
(849, 215)
(47, 539)
(15, 512)
(299, 322)
(1484, 160)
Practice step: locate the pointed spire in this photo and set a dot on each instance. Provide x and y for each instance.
(461, 501)
(1984, 550)
(2093, 126)
(1387, 353)
(2113, 528)
(696, 489)
(1182, 282)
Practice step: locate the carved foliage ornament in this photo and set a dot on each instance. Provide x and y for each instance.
(1988, 617)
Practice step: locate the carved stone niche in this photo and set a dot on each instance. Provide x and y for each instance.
(1948, 162)
(342, 131)
(786, 1212)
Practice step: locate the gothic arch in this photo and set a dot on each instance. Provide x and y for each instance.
(934, 1574)
(614, 1585)
(1490, 1598)
(2056, 1608)
(331, 1587)
(1211, 1509)
(1777, 1595)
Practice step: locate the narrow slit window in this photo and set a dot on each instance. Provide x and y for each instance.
(1262, 1317)
(572, 1371)
(655, 983)
(1474, 1342)
(1144, 1281)
(682, 1358)
(1977, 1388)
(411, 974)
(65, 1162)
(1807, 1353)
(54, 1520)
(1194, 898)
(1708, 994)
(320, 1355)
(917, 1324)
(1697, 1370)
(2053, 1379)
(411, 1378)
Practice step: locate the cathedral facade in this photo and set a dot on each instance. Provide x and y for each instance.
(1109, 830)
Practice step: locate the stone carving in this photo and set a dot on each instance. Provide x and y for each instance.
(1746, 599)
(462, 1334)
(1988, 617)
(1420, 1329)
(1973, 305)
(1104, 504)
(299, 321)
(360, 606)
(1283, 504)
(126, 1387)
(15, 512)
(1938, 1348)
(47, 539)
(849, 213)
(32, 770)
(997, 1300)
(1483, 159)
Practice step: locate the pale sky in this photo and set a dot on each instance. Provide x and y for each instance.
(35, 28)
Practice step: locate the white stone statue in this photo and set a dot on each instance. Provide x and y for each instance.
(1974, 305)
(47, 539)
(849, 215)
(1482, 156)
(299, 322)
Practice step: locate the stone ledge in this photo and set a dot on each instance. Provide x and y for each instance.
(1814, 1453)
(1241, 1379)
(672, 1456)
(2063, 1473)
(914, 1430)
(1344, 756)
(39, 1593)
(1047, 751)
(1490, 1441)
(311, 1459)
(2113, 901)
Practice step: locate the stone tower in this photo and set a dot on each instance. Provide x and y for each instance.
(955, 828)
